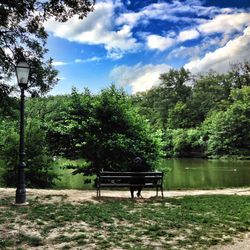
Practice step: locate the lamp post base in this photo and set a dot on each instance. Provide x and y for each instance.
(20, 204)
(21, 191)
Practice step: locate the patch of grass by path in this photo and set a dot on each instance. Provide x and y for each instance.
(193, 222)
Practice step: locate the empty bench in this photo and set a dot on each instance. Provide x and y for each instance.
(129, 179)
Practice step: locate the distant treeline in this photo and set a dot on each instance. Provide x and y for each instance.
(201, 115)
(185, 116)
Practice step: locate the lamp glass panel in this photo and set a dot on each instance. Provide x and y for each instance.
(22, 72)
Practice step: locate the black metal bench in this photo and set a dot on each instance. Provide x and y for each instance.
(129, 179)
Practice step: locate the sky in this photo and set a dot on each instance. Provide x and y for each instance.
(130, 43)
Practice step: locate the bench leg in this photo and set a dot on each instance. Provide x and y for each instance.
(162, 192)
(98, 192)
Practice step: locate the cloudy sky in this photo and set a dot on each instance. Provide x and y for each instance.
(130, 43)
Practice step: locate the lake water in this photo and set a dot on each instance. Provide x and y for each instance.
(199, 173)
(186, 174)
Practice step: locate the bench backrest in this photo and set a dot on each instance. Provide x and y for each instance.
(127, 177)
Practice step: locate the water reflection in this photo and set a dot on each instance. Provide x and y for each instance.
(199, 173)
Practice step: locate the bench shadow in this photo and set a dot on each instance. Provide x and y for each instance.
(110, 198)
(117, 198)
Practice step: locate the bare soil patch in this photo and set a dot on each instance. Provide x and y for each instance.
(79, 196)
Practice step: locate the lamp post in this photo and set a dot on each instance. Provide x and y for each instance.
(22, 74)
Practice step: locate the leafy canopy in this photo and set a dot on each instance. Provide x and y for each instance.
(22, 35)
(106, 130)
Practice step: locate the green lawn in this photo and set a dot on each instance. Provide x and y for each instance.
(172, 223)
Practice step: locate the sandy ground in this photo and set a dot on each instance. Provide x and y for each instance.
(90, 195)
(79, 196)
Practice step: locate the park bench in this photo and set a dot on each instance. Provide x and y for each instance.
(129, 179)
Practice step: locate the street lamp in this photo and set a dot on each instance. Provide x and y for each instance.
(22, 74)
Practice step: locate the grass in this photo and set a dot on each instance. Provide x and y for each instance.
(170, 223)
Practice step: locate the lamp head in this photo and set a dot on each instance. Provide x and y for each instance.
(22, 74)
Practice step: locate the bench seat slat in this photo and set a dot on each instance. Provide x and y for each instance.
(130, 173)
(128, 185)
(129, 177)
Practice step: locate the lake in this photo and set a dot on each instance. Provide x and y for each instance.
(199, 173)
(185, 174)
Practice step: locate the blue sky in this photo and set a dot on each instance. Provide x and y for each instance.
(130, 43)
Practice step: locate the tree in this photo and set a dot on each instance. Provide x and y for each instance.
(22, 35)
(148, 105)
(229, 131)
(181, 116)
(105, 130)
(240, 74)
(156, 104)
(210, 92)
(173, 89)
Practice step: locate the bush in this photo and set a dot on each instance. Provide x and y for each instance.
(39, 171)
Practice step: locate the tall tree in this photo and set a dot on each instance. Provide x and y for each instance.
(210, 92)
(22, 35)
(173, 89)
(240, 74)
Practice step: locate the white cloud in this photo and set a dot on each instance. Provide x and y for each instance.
(185, 52)
(162, 43)
(170, 11)
(218, 32)
(91, 59)
(159, 42)
(188, 35)
(97, 29)
(226, 23)
(114, 31)
(139, 77)
(61, 78)
(236, 50)
(59, 63)
(194, 52)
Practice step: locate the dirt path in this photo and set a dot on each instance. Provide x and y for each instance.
(79, 196)
(90, 195)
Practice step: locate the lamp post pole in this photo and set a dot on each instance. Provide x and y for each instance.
(21, 190)
(22, 72)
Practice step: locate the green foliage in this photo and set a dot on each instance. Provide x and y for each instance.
(184, 143)
(180, 116)
(210, 93)
(229, 131)
(148, 106)
(106, 130)
(158, 103)
(203, 115)
(38, 160)
(239, 74)
(172, 90)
